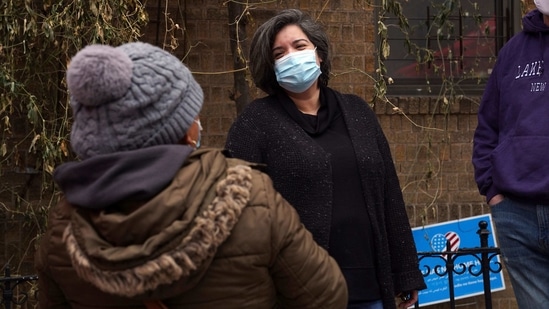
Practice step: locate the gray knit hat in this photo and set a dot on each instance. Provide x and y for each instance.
(129, 97)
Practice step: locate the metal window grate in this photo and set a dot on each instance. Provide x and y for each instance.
(461, 52)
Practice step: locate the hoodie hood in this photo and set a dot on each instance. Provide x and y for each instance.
(533, 22)
(162, 247)
(103, 180)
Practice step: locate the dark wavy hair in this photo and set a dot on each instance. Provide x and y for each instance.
(261, 55)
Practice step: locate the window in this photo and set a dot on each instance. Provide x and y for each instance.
(456, 42)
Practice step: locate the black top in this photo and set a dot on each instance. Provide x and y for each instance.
(351, 238)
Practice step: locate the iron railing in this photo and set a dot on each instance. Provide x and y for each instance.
(484, 254)
(11, 294)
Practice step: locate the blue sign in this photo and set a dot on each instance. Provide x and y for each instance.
(462, 234)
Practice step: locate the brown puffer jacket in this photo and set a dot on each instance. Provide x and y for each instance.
(219, 236)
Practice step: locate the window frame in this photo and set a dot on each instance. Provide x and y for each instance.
(507, 23)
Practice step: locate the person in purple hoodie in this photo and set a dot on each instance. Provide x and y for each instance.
(510, 156)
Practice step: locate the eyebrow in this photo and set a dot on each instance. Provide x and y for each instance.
(293, 42)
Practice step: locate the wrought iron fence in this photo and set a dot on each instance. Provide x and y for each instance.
(449, 267)
(11, 293)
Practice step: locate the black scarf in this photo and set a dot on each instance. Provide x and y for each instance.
(313, 125)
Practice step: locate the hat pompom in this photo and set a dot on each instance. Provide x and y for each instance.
(99, 74)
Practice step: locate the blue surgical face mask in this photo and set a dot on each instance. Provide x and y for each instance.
(199, 133)
(297, 71)
(198, 141)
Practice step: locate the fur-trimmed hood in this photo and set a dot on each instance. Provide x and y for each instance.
(131, 249)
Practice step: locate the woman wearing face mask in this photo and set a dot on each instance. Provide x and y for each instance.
(328, 156)
(510, 156)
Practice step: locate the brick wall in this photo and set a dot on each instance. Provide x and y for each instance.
(431, 145)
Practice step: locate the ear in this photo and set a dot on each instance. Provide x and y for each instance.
(187, 140)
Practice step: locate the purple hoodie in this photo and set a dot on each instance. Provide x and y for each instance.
(511, 142)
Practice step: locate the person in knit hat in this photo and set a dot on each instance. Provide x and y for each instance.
(147, 220)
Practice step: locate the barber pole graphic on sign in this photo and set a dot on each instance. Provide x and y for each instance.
(454, 240)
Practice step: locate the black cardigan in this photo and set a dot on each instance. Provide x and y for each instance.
(301, 172)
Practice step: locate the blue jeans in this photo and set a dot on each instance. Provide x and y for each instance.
(522, 232)
(376, 304)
